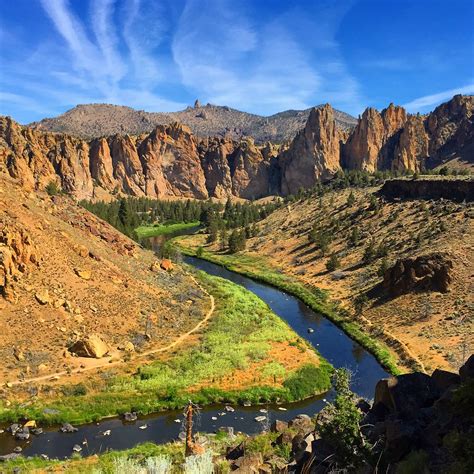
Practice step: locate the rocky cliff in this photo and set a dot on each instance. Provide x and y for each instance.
(454, 189)
(394, 140)
(314, 154)
(172, 161)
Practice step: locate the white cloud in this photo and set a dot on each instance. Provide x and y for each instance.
(421, 103)
(103, 70)
(226, 59)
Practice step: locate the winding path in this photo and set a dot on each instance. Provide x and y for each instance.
(105, 362)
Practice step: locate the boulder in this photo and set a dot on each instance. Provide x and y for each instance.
(22, 434)
(126, 347)
(279, 426)
(284, 438)
(299, 446)
(84, 274)
(236, 452)
(90, 346)
(43, 297)
(249, 463)
(166, 264)
(407, 393)
(400, 439)
(444, 379)
(67, 428)
(130, 416)
(302, 423)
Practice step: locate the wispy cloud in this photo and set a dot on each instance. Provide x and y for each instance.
(421, 103)
(227, 59)
(102, 66)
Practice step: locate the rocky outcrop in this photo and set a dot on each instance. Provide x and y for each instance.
(451, 130)
(371, 144)
(453, 189)
(411, 150)
(424, 273)
(214, 153)
(250, 171)
(427, 419)
(314, 154)
(17, 254)
(171, 163)
(395, 140)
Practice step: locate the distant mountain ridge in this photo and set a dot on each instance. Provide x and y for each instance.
(98, 120)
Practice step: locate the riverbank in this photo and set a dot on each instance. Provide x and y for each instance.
(243, 337)
(259, 269)
(171, 455)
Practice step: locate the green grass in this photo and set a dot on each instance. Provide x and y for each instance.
(240, 333)
(146, 231)
(258, 269)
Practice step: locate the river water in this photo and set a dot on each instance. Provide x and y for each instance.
(330, 341)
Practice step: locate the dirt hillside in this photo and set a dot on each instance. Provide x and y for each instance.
(434, 326)
(65, 274)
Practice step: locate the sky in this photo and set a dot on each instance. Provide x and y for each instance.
(260, 56)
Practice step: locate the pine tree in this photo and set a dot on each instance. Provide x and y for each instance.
(333, 263)
(351, 199)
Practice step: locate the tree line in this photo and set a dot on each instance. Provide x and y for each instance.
(128, 213)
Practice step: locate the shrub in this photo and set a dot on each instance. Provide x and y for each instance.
(384, 266)
(52, 188)
(342, 428)
(351, 199)
(308, 380)
(333, 263)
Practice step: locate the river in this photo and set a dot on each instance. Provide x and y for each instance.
(330, 341)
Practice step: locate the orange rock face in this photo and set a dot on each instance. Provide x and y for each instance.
(371, 143)
(171, 161)
(17, 254)
(314, 154)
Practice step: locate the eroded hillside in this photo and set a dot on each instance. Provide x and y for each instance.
(65, 274)
(346, 240)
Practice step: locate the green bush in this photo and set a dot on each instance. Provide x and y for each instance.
(52, 188)
(308, 380)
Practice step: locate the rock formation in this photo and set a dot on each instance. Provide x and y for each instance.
(314, 154)
(90, 346)
(369, 144)
(172, 161)
(17, 254)
(424, 273)
(453, 189)
(397, 141)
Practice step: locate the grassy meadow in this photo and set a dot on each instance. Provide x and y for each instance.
(146, 231)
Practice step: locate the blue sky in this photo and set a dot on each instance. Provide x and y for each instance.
(262, 56)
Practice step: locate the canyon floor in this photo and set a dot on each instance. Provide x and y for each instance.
(436, 329)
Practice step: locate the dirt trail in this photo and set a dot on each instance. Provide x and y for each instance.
(106, 361)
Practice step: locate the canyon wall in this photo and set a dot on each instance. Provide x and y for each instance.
(171, 161)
